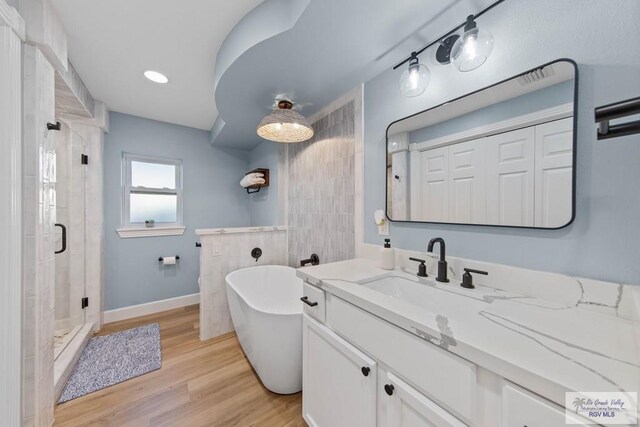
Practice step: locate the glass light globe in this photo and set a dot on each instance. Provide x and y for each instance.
(415, 79)
(472, 49)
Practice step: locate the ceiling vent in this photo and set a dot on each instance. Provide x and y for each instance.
(536, 75)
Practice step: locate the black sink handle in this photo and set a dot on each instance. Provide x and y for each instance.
(309, 303)
(422, 268)
(467, 279)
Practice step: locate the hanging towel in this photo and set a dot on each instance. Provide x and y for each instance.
(252, 179)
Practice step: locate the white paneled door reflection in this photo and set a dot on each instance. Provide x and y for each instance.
(434, 194)
(522, 178)
(510, 169)
(554, 173)
(467, 198)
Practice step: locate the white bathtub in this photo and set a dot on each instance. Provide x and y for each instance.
(267, 314)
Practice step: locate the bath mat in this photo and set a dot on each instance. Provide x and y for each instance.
(114, 358)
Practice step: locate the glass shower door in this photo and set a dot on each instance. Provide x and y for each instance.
(70, 214)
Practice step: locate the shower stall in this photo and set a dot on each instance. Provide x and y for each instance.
(70, 260)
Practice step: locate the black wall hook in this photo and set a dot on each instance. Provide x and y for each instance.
(56, 126)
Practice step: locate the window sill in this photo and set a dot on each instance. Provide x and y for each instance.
(128, 233)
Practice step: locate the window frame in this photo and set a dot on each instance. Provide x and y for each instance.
(128, 189)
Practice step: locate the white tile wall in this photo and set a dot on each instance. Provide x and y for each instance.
(398, 190)
(93, 137)
(39, 200)
(222, 254)
(358, 135)
(321, 189)
(76, 227)
(95, 228)
(62, 282)
(11, 292)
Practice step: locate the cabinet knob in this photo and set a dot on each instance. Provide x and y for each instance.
(389, 389)
(365, 371)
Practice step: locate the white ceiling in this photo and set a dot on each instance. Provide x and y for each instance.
(333, 46)
(111, 43)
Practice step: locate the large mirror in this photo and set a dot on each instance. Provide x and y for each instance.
(501, 156)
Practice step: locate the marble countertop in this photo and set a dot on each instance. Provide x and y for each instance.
(544, 346)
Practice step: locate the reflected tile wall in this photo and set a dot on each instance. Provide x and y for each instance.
(321, 187)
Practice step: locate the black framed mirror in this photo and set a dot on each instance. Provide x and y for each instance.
(501, 156)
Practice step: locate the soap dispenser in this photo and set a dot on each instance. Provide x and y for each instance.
(387, 256)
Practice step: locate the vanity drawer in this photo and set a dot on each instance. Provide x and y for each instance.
(315, 304)
(523, 408)
(444, 377)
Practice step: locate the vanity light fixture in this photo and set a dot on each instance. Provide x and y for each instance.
(156, 76)
(285, 125)
(415, 79)
(467, 52)
(472, 49)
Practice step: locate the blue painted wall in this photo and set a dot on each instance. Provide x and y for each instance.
(212, 198)
(548, 97)
(263, 206)
(604, 240)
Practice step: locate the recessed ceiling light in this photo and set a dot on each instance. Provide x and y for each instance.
(156, 77)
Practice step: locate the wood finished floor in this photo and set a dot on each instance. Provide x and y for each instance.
(207, 383)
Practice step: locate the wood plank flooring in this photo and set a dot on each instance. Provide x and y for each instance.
(207, 383)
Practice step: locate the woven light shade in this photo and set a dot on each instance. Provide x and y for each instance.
(285, 125)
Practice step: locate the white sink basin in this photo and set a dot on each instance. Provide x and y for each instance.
(410, 291)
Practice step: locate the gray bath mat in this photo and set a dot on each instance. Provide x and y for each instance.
(111, 359)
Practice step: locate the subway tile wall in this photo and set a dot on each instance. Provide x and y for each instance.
(39, 201)
(321, 187)
(94, 223)
(62, 286)
(222, 254)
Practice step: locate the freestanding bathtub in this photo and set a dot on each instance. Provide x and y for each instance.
(266, 311)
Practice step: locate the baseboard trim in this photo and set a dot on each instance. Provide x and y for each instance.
(149, 308)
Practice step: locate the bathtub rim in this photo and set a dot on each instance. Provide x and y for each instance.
(241, 296)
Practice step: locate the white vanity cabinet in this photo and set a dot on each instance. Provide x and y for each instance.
(523, 408)
(338, 381)
(344, 387)
(343, 384)
(401, 405)
(361, 370)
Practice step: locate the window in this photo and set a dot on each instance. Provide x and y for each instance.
(152, 191)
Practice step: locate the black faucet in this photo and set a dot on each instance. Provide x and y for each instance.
(313, 260)
(442, 263)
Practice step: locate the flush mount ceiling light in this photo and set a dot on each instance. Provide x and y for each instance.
(156, 77)
(285, 125)
(415, 79)
(472, 49)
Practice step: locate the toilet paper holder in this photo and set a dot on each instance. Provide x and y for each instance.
(162, 258)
